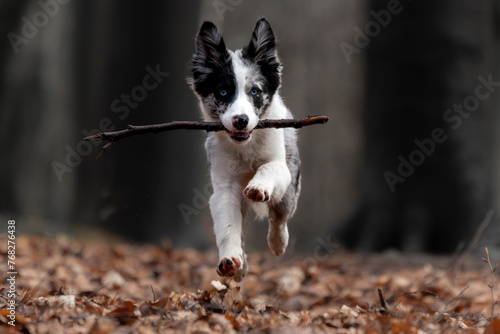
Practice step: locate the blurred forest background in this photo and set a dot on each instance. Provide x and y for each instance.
(386, 72)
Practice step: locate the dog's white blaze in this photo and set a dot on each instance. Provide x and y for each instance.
(242, 105)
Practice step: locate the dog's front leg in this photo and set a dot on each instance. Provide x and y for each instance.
(269, 183)
(225, 206)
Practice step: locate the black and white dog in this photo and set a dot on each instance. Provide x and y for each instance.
(259, 169)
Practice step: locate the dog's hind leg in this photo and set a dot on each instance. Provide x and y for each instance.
(277, 236)
(280, 212)
(279, 215)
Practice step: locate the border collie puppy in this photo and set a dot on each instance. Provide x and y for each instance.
(258, 169)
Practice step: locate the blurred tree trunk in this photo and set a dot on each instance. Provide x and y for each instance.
(37, 114)
(427, 59)
(118, 48)
(10, 12)
(63, 82)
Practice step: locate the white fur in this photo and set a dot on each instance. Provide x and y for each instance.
(242, 104)
(249, 168)
(258, 164)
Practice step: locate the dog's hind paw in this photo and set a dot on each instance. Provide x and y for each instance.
(234, 267)
(277, 238)
(257, 193)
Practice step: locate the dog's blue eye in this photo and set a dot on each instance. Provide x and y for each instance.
(223, 92)
(254, 91)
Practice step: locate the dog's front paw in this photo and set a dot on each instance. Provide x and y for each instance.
(257, 192)
(235, 267)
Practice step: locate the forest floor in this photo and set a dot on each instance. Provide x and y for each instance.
(68, 286)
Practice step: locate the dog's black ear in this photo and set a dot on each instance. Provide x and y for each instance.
(211, 57)
(262, 46)
(262, 50)
(211, 50)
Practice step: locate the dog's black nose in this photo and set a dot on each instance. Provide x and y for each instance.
(240, 121)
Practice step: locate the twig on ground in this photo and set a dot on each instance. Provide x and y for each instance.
(133, 130)
(476, 240)
(491, 284)
(449, 305)
(383, 302)
(412, 293)
(462, 252)
(155, 293)
(93, 293)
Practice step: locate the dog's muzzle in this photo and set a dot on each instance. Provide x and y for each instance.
(240, 122)
(239, 136)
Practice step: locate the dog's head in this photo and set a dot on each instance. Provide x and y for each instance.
(235, 88)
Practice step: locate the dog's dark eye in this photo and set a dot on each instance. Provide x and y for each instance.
(254, 91)
(222, 92)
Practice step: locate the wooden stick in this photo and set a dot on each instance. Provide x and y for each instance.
(383, 302)
(133, 130)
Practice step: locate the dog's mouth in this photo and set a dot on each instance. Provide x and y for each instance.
(239, 136)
